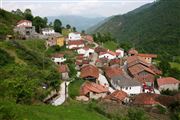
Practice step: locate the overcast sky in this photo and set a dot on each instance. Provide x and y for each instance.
(87, 8)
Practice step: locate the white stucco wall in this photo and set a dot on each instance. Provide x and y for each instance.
(60, 60)
(97, 96)
(25, 24)
(169, 86)
(109, 56)
(74, 36)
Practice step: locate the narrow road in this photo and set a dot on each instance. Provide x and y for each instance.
(60, 99)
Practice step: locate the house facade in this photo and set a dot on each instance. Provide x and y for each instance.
(168, 83)
(120, 53)
(147, 57)
(75, 44)
(48, 31)
(58, 58)
(64, 70)
(74, 36)
(86, 51)
(109, 55)
(25, 29)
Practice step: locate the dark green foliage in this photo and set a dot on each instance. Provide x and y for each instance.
(5, 58)
(39, 23)
(152, 29)
(102, 38)
(169, 92)
(28, 15)
(57, 25)
(68, 26)
(7, 21)
(165, 67)
(6, 113)
(74, 87)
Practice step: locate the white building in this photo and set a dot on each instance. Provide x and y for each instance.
(168, 83)
(109, 55)
(24, 23)
(74, 36)
(58, 58)
(75, 44)
(85, 51)
(103, 81)
(48, 31)
(120, 52)
(130, 86)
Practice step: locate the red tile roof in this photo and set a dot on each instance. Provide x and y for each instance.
(63, 68)
(147, 55)
(146, 99)
(115, 61)
(89, 70)
(167, 80)
(132, 51)
(92, 87)
(21, 21)
(134, 70)
(117, 95)
(100, 49)
(75, 42)
(108, 52)
(113, 71)
(89, 38)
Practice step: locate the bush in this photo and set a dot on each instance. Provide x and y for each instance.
(5, 58)
(161, 109)
(137, 114)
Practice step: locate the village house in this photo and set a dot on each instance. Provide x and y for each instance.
(64, 70)
(101, 62)
(151, 99)
(98, 50)
(89, 72)
(168, 83)
(147, 57)
(55, 39)
(103, 81)
(48, 31)
(144, 75)
(58, 58)
(75, 44)
(115, 62)
(132, 52)
(108, 54)
(120, 81)
(25, 29)
(88, 38)
(120, 53)
(118, 96)
(86, 51)
(93, 90)
(74, 36)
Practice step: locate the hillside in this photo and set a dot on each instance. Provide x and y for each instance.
(81, 23)
(151, 28)
(7, 22)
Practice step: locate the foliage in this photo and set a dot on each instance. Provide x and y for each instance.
(161, 109)
(137, 114)
(102, 38)
(111, 45)
(169, 92)
(57, 25)
(165, 67)
(74, 87)
(5, 58)
(68, 26)
(69, 111)
(28, 15)
(152, 28)
(39, 23)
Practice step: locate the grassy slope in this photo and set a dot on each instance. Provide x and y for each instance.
(110, 45)
(69, 111)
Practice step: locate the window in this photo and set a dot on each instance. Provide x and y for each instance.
(126, 88)
(130, 88)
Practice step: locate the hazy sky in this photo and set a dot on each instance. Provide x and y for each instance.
(87, 8)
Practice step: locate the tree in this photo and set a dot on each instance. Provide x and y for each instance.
(45, 20)
(68, 26)
(19, 12)
(83, 32)
(5, 58)
(50, 24)
(39, 23)
(28, 14)
(57, 25)
(74, 29)
(165, 67)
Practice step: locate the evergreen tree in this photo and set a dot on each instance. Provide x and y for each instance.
(57, 25)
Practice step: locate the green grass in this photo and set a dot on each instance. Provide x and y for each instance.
(74, 87)
(69, 111)
(110, 45)
(175, 65)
